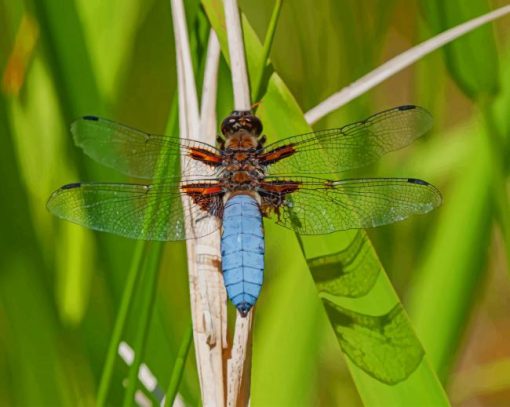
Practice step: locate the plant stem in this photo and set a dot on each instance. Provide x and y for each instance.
(268, 43)
(146, 308)
(127, 296)
(178, 369)
(208, 306)
(398, 63)
(240, 83)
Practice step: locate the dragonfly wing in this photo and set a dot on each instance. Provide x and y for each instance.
(352, 146)
(148, 212)
(314, 206)
(135, 153)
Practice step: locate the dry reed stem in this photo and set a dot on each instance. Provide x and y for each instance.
(398, 63)
(240, 83)
(207, 306)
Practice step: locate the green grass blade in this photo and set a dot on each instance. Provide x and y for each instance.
(151, 269)
(70, 62)
(146, 307)
(178, 369)
(132, 280)
(268, 42)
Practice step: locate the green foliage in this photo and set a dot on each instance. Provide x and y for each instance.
(62, 287)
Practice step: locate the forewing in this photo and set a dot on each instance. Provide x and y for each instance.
(135, 153)
(352, 146)
(320, 206)
(147, 212)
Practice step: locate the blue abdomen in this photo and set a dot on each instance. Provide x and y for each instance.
(242, 251)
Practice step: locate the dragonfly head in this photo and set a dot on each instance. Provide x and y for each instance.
(241, 120)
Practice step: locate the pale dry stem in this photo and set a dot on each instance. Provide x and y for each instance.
(206, 294)
(398, 63)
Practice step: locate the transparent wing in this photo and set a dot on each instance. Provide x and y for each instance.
(135, 153)
(148, 212)
(318, 206)
(352, 146)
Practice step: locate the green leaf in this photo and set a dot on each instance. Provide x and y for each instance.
(67, 53)
(383, 346)
(351, 272)
(278, 103)
(473, 58)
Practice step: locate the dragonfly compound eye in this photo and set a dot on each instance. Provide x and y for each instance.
(241, 120)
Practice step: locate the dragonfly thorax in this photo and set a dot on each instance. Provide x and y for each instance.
(241, 169)
(241, 140)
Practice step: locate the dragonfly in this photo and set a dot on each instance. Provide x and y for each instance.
(243, 180)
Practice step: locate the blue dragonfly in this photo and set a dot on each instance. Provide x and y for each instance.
(242, 181)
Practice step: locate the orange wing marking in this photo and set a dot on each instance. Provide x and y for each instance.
(207, 157)
(207, 196)
(277, 154)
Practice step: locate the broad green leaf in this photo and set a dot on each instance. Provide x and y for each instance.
(278, 103)
(350, 272)
(383, 346)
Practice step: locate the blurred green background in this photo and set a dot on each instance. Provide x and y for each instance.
(60, 285)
